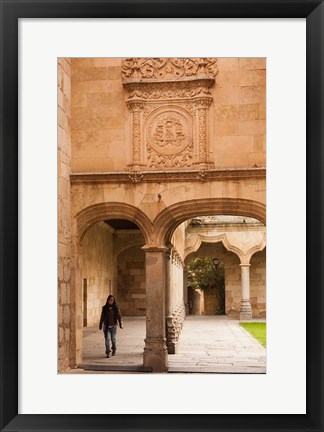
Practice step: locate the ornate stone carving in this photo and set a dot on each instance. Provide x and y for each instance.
(136, 138)
(135, 176)
(167, 69)
(136, 108)
(174, 324)
(202, 107)
(173, 90)
(169, 99)
(203, 175)
(169, 140)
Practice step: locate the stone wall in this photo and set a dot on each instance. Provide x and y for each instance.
(98, 271)
(99, 109)
(131, 288)
(233, 286)
(211, 303)
(239, 112)
(258, 284)
(101, 120)
(64, 212)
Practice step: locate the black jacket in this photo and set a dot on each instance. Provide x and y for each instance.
(105, 316)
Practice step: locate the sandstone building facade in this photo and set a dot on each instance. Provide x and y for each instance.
(146, 147)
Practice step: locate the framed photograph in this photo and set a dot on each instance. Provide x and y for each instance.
(149, 113)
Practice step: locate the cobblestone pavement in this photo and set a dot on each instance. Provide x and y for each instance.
(208, 344)
(217, 344)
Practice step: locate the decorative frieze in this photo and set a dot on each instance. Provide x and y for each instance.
(167, 69)
(149, 92)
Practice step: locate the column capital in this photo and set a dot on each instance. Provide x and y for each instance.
(150, 248)
(244, 265)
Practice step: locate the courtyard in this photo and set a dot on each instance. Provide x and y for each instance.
(208, 344)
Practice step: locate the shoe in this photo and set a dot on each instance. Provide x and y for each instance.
(114, 352)
(107, 354)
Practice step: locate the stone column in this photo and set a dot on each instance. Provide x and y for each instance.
(155, 351)
(245, 312)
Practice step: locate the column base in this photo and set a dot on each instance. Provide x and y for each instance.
(245, 311)
(156, 354)
(173, 347)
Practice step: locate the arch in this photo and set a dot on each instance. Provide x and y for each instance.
(129, 245)
(221, 238)
(257, 250)
(113, 210)
(167, 221)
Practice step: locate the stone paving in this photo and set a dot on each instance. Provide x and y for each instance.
(208, 344)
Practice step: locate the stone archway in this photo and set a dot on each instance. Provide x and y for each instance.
(83, 221)
(98, 212)
(167, 221)
(165, 225)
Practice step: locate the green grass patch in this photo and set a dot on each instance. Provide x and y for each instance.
(257, 330)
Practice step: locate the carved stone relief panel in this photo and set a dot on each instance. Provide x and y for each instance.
(167, 69)
(169, 101)
(169, 140)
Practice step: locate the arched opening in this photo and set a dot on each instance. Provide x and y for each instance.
(110, 260)
(114, 263)
(170, 218)
(227, 241)
(206, 284)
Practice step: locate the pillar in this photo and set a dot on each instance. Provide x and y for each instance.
(202, 106)
(245, 311)
(136, 108)
(155, 351)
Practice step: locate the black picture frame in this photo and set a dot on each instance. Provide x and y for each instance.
(11, 11)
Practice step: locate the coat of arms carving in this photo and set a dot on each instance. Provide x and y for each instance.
(169, 140)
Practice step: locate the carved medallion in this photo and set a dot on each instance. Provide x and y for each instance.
(169, 139)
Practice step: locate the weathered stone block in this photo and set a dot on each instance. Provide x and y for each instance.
(227, 128)
(253, 78)
(227, 96)
(227, 78)
(228, 63)
(89, 73)
(252, 63)
(252, 127)
(253, 94)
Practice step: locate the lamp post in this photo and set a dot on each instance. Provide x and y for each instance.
(216, 262)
